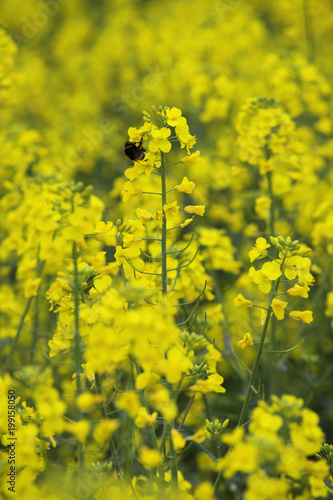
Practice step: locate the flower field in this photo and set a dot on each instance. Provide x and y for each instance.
(166, 250)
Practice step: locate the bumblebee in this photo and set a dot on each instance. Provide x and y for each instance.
(134, 151)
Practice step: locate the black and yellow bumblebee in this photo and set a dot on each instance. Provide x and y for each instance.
(135, 151)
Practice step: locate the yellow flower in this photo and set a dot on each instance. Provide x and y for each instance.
(259, 250)
(134, 134)
(129, 191)
(178, 440)
(186, 223)
(143, 418)
(129, 401)
(130, 239)
(87, 400)
(171, 210)
(233, 437)
(300, 267)
(129, 253)
(150, 458)
(278, 307)
(186, 186)
(158, 216)
(246, 340)
(200, 436)
(146, 379)
(160, 140)
(195, 209)
(160, 399)
(234, 462)
(144, 215)
(240, 301)
(192, 160)
(61, 342)
(101, 227)
(102, 283)
(104, 429)
(173, 116)
(204, 490)
(270, 271)
(299, 291)
(79, 429)
(305, 316)
(211, 384)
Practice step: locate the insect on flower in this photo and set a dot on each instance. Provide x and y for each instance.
(134, 151)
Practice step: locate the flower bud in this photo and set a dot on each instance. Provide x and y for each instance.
(225, 423)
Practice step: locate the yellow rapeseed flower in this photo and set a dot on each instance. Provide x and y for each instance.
(246, 341)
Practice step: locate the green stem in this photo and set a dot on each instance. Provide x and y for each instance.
(77, 343)
(273, 377)
(40, 266)
(19, 328)
(260, 349)
(174, 468)
(21, 324)
(164, 271)
(186, 412)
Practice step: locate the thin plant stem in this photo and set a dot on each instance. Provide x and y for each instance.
(40, 266)
(186, 411)
(20, 325)
(273, 378)
(174, 468)
(77, 343)
(260, 349)
(16, 338)
(164, 271)
(164, 276)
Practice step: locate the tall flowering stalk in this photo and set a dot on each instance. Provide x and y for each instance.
(166, 220)
(291, 265)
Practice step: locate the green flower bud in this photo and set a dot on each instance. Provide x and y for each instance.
(225, 423)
